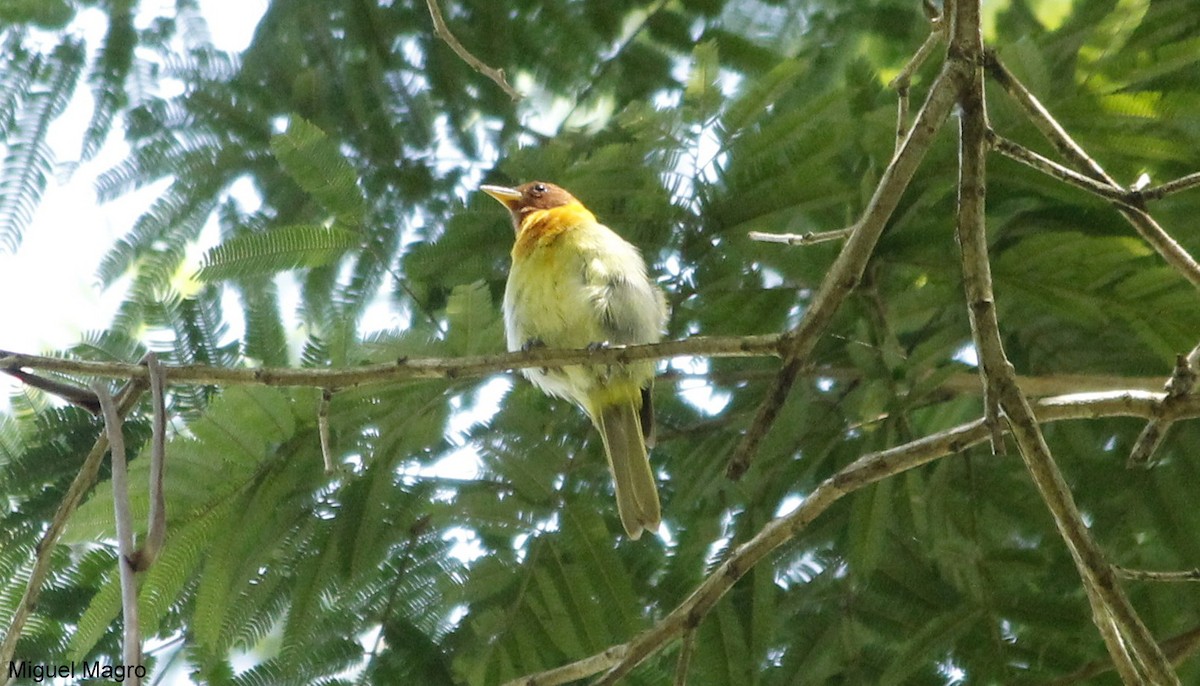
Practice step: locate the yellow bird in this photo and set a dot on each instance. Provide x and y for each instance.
(574, 283)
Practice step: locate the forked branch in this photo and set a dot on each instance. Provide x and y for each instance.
(617, 661)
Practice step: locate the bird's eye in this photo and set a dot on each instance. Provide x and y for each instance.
(539, 188)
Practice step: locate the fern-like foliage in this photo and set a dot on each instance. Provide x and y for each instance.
(269, 252)
(27, 157)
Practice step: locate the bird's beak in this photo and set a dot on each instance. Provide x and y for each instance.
(505, 195)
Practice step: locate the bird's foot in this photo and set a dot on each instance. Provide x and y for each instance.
(532, 344)
(597, 345)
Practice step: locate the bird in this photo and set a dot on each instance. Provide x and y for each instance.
(575, 283)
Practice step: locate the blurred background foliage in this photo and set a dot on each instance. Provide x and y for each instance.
(470, 535)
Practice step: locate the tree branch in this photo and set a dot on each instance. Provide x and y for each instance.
(1041, 118)
(1181, 184)
(131, 635)
(409, 368)
(903, 80)
(868, 469)
(442, 31)
(1016, 151)
(1181, 383)
(847, 269)
(1130, 645)
(1129, 204)
(1177, 648)
(809, 238)
(323, 430)
(156, 525)
(1147, 575)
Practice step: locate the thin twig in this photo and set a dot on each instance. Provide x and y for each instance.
(131, 635)
(80, 397)
(1178, 648)
(442, 31)
(1147, 575)
(575, 670)
(1164, 189)
(1041, 118)
(79, 488)
(1122, 662)
(1182, 381)
(156, 525)
(809, 238)
(1168, 248)
(848, 267)
(868, 469)
(1020, 153)
(903, 80)
(323, 429)
(685, 657)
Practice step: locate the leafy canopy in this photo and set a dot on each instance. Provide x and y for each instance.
(684, 124)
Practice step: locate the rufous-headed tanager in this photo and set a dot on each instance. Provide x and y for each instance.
(574, 283)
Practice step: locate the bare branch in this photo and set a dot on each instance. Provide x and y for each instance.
(409, 368)
(80, 397)
(1183, 183)
(574, 671)
(1173, 253)
(1177, 648)
(1020, 153)
(1147, 575)
(868, 469)
(323, 430)
(847, 269)
(1130, 645)
(903, 80)
(1041, 118)
(809, 238)
(1181, 383)
(156, 526)
(1128, 204)
(131, 638)
(972, 183)
(685, 657)
(442, 31)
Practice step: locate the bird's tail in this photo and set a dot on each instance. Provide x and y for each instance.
(637, 493)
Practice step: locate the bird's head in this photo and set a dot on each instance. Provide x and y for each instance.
(529, 197)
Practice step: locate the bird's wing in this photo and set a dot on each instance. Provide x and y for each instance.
(629, 307)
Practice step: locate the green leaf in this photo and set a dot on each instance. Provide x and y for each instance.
(316, 165)
(475, 324)
(268, 252)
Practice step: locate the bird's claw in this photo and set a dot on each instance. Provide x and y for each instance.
(532, 344)
(597, 345)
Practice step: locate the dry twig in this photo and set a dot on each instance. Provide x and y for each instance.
(131, 635)
(442, 31)
(1181, 383)
(323, 430)
(809, 238)
(156, 526)
(1128, 203)
(1147, 575)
